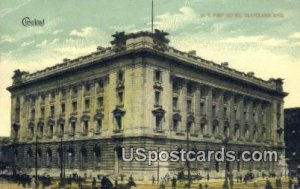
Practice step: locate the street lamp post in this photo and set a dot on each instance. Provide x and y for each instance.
(187, 161)
(62, 179)
(36, 163)
(225, 185)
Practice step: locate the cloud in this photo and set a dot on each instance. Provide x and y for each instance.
(43, 43)
(56, 32)
(24, 44)
(7, 38)
(83, 32)
(54, 41)
(295, 35)
(7, 11)
(258, 40)
(168, 21)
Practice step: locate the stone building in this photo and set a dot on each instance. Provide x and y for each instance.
(140, 92)
(292, 136)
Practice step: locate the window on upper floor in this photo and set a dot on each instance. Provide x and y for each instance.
(100, 85)
(63, 94)
(32, 113)
(87, 88)
(42, 111)
(100, 102)
(214, 110)
(120, 76)
(52, 110)
(74, 91)
(157, 76)
(52, 95)
(63, 108)
(175, 102)
(175, 86)
(87, 104)
(189, 88)
(157, 98)
(85, 127)
(175, 124)
(202, 108)
(189, 106)
(225, 112)
(158, 122)
(120, 97)
(74, 106)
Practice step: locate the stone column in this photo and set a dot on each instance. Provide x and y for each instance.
(208, 109)
(183, 106)
(196, 103)
(80, 109)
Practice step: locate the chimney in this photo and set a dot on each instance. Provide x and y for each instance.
(225, 64)
(251, 74)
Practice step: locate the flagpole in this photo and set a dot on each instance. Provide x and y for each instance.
(152, 17)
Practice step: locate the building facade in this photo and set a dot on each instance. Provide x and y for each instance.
(292, 135)
(140, 92)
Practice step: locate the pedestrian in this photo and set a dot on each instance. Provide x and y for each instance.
(174, 183)
(278, 183)
(153, 179)
(94, 183)
(290, 183)
(200, 186)
(268, 185)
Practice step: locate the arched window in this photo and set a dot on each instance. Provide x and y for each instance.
(83, 157)
(226, 129)
(29, 158)
(215, 127)
(48, 157)
(97, 155)
(71, 157)
(59, 156)
(39, 157)
(237, 131)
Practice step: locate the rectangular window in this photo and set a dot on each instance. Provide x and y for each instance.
(99, 124)
(158, 122)
(189, 105)
(120, 97)
(85, 127)
(53, 96)
(42, 111)
(175, 102)
(201, 108)
(189, 89)
(52, 111)
(225, 112)
(87, 104)
(63, 94)
(74, 91)
(100, 102)
(120, 76)
(74, 106)
(87, 88)
(235, 114)
(157, 76)
(175, 124)
(63, 108)
(214, 110)
(157, 98)
(32, 113)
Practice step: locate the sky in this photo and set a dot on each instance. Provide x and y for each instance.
(258, 35)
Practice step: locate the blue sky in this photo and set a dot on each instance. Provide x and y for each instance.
(219, 30)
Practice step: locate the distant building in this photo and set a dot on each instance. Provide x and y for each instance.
(292, 138)
(140, 92)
